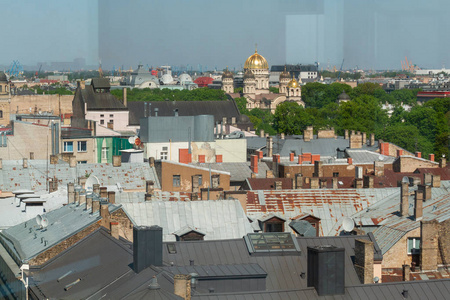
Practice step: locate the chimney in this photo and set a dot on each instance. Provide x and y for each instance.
(147, 247)
(308, 134)
(124, 96)
(117, 160)
(426, 191)
(182, 286)
(112, 197)
(275, 162)
(364, 138)
(314, 182)
(269, 146)
(349, 160)
(355, 141)
(442, 162)
(89, 202)
(261, 133)
(103, 192)
(53, 159)
(399, 152)
(318, 169)
(298, 181)
(406, 272)
(278, 185)
(82, 198)
(95, 206)
(254, 164)
(436, 181)
(291, 156)
(384, 148)
(114, 228)
(151, 162)
(368, 181)
(72, 161)
(404, 201)
(104, 213)
(346, 134)
(149, 186)
(378, 168)
(148, 197)
(269, 174)
(25, 163)
(418, 205)
(82, 181)
(431, 157)
(175, 112)
(31, 155)
(364, 260)
(419, 154)
(300, 159)
(156, 111)
(372, 139)
(70, 192)
(326, 270)
(334, 181)
(77, 196)
(282, 136)
(429, 245)
(96, 188)
(260, 154)
(195, 185)
(358, 183)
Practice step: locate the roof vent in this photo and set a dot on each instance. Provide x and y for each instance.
(154, 285)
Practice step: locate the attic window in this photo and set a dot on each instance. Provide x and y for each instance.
(271, 243)
(171, 248)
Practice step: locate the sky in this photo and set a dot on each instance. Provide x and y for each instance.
(364, 34)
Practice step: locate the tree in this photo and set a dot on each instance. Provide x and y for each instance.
(274, 90)
(367, 88)
(241, 103)
(291, 118)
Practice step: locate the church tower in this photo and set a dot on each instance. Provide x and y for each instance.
(257, 64)
(285, 77)
(227, 82)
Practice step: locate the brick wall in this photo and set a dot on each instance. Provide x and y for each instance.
(409, 164)
(397, 255)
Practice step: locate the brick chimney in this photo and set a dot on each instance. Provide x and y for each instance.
(426, 190)
(282, 136)
(269, 146)
(318, 169)
(436, 181)
(418, 205)
(334, 181)
(364, 138)
(291, 156)
(112, 197)
(182, 286)
(384, 148)
(269, 174)
(278, 185)
(104, 213)
(429, 245)
(355, 141)
(399, 152)
(372, 139)
(427, 178)
(70, 192)
(314, 183)
(358, 183)
(431, 157)
(368, 181)
(149, 186)
(261, 133)
(96, 188)
(419, 154)
(82, 198)
(103, 192)
(95, 206)
(442, 162)
(346, 134)
(254, 163)
(349, 160)
(151, 162)
(404, 201)
(378, 168)
(364, 260)
(308, 134)
(114, 228)
(406, 272)
(117, 160)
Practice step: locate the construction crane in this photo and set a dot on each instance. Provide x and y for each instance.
(408, 66)
(37, 72)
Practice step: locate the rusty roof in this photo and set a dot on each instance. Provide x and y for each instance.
(326, 204)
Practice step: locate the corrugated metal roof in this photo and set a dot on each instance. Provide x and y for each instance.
(365, 156)
(218, 219)
(27, 240)
(211, 271)
(330, 206)
(392, 226)
(130, 175)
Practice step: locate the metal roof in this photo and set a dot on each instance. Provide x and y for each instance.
(26, 240)
(329, 205)
(99, 101)
(366, 156)
(392, 226)
(217, 271)
(217, 219)
(129, 175)
(239, 171)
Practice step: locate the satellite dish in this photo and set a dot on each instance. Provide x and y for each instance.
(348, 224)
(44, 223)
(131, 139)
(381, 157)
(405, 179)
(39, 220)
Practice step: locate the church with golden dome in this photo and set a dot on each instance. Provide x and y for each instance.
(256, 85)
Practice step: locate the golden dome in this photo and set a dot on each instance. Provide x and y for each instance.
(256, 61)
(285, 74)
(293, 83)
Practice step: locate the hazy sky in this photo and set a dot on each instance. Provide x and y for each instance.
(365, 33)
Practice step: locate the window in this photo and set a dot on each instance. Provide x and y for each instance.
(82, 162)
(176, 180)
(171, 248)
(102, 122)
(111, 121)
(104, 153)
(101, 116)
(413, 245)
(82, 146)
(1, 114)
(215, 181)
(164, 153)
(200, 180)
(68, 146)
(111, 116)
(271, 242)
(335, 174)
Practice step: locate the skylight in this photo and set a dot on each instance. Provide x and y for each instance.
(271, 242)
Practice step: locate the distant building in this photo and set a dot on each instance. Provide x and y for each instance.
(5, 99)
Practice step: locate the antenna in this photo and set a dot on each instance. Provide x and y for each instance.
(348, 224)
(44, 223)
(39, 220)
